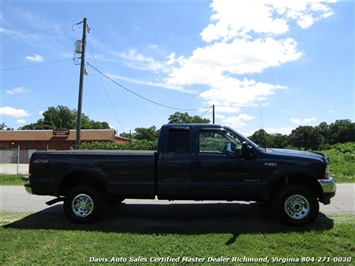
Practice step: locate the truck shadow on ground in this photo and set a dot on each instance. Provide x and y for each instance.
(179, 218)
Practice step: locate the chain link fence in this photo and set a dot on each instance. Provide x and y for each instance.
(15, 161)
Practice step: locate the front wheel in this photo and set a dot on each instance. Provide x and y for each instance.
(83, 204)
(296, 205)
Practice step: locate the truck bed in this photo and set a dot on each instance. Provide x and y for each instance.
(98, 152)
(127, 173)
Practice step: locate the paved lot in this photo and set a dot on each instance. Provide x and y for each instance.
(15, 199)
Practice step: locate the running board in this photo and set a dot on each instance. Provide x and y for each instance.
(53, 201)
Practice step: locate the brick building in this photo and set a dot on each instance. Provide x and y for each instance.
(28, 141)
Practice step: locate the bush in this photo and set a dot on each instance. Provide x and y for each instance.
(133, 145)
(342, 161)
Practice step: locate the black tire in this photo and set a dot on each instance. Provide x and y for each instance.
(83, 204)
(296, 205)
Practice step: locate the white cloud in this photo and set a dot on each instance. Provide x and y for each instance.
(9, 111)
(17, 90)
(296, 121)
(139, 61)
(306, 121)
(171, 60)
(243, 18)
(36, 58)
(310, 120)
(154, 46)
(304, 12)
(209, 63)
(230, 94)
(243, 38)
(239, 18)
(237, 121)
(21, 121)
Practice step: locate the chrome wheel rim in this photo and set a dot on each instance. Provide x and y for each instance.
(82, 205)
(297, 207)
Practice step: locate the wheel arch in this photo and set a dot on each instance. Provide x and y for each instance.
(296, 178)
(80, 176)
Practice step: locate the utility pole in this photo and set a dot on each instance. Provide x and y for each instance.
(81, 85)
(213, 115)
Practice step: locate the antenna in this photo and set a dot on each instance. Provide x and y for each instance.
(262, 120)
(262, 127)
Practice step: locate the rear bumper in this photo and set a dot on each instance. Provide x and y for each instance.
(329, 188)
(28, 188)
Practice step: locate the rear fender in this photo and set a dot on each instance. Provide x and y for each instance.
(79, 174)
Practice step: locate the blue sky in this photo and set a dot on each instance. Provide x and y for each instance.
(276, 64)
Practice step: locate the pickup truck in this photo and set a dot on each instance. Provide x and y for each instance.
(193, 162)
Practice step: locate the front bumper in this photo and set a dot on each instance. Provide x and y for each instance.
(329, 188)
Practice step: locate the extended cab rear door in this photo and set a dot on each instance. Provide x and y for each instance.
(174, 166)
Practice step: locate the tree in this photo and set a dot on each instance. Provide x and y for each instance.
(342, 131)
(323, 130)
(126, 135)
(277, 140)
(306, 137)
(61, 117)
(142, 133)
(150, 133)
(3, 126)
(262, 138)
(182, 118)
(259, 137)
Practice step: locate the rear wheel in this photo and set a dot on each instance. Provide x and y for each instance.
(83, 204)
(296, 205)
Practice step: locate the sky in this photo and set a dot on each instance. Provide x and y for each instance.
(274, 65)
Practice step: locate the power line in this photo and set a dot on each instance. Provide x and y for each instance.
(35, 65)
(38, 31)
(140, 96)
(206, 111)
(103, 86)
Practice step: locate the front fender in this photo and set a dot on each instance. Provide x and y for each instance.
(282, 177)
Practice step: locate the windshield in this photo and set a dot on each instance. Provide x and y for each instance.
(251, 142)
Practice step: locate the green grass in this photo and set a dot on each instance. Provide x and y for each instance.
(49, 239)
(11, 180)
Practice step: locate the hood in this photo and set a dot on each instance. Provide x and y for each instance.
(297, 153)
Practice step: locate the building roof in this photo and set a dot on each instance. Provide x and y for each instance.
(50, 135)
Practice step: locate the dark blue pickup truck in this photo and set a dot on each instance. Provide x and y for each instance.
(193, 162)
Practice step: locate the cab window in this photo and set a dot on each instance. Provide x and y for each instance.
(178, 141)
(219, 141)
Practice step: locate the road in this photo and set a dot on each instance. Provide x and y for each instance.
(15, 199)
